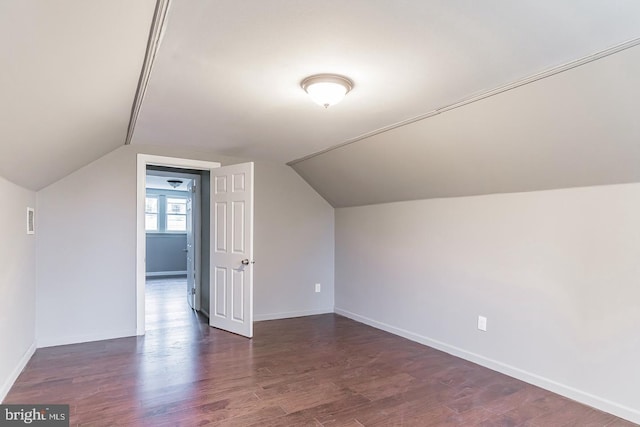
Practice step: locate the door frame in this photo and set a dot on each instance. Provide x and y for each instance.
(141, 244)
(196, 238)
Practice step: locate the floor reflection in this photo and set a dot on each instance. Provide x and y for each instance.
(170, 357)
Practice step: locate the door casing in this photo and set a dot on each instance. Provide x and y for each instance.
(143, 160)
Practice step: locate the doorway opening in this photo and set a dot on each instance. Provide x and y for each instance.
(174, 220)
(188, 171)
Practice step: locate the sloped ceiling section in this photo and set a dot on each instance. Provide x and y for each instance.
(576, 128)
(69, 73)
(227, 77)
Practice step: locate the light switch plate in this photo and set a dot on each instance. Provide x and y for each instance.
(482, 323)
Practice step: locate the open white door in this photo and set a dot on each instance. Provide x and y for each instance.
(231, 286)
(190, 249)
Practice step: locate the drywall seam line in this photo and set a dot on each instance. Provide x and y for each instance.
(475, 98)
(156, 32)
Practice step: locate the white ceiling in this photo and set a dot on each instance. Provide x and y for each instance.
(67, 82)
(227, 79)
(228, 72)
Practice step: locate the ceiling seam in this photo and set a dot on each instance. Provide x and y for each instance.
(483, 95)
(156, 32)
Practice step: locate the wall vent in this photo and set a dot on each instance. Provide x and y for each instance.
(31, 222)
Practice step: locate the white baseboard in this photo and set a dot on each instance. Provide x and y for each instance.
(6, 386)
(77, 339)
(165, 273)
(606, 405)
(290, 314)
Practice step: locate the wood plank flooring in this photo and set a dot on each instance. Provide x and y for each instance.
(313, 371)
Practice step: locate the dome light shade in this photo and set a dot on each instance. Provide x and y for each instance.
(327, 89)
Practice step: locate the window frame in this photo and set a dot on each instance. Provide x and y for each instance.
(162, 196)
(167, 213)
(156, 213)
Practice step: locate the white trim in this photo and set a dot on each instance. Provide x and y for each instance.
(4, 390)
(142, 161)
(158, 26)
(77, 339)
(290, 314)
(166, 273)
(540, 381)
(177, 162)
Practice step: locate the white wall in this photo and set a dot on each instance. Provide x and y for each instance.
(557, 274)
(294, 246)
(87, 245)
(17, 283)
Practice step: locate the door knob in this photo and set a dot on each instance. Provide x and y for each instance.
(245, 262)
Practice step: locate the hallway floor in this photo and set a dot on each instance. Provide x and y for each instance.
(166, 305)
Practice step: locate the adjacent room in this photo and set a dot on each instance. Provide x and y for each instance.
(170, 229)
(336, 213)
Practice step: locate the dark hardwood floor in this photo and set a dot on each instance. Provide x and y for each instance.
(313, 371)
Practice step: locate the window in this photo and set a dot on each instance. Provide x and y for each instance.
(176, 214)
(151, 213)
(165, 211)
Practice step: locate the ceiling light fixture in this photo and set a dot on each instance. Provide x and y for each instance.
(175, 183)
(327, 89)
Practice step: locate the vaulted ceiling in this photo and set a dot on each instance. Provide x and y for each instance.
(573, 129)
(227, 79)
(68, 78)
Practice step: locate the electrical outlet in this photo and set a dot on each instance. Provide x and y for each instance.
(482, 323)
(317, 287)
